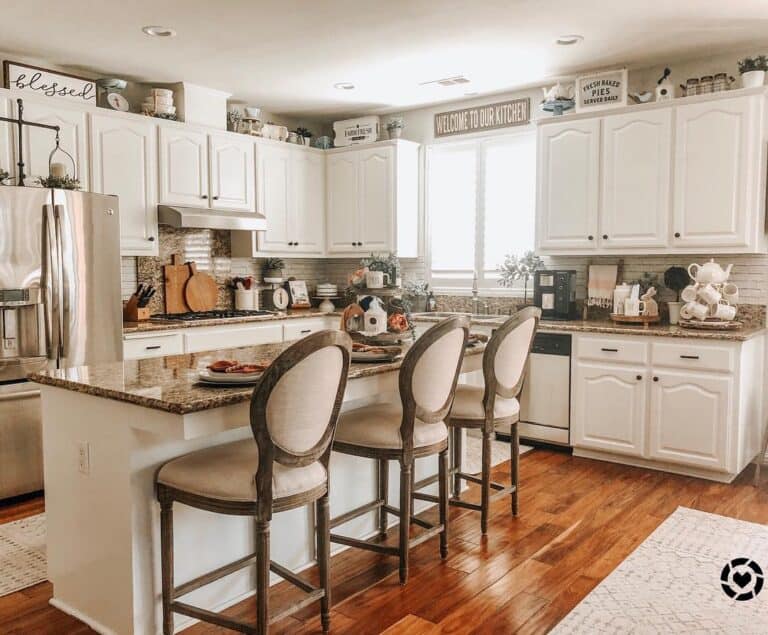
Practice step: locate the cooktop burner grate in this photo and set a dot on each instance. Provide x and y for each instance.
(193, 316)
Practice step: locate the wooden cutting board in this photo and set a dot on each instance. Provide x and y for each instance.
(176, 275)
(201, 292)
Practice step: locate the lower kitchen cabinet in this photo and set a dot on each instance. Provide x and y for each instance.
(217, 337)
(149, 345)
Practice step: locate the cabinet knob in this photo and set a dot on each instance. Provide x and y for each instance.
(605, 236)
(590, 237)
(655, 379)
(215, 198)
(677, 234)
(639, 378)
(295, 244)
(204, 196)
(151, 239)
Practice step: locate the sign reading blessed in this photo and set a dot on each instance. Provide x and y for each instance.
(601, 90)
(504, 114)
(40, 81)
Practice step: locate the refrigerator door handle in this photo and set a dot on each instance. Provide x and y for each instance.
(62, 292)
(48, 283)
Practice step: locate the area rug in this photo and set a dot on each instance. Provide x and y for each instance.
(473, 459)
(22, 554)
(697, 573)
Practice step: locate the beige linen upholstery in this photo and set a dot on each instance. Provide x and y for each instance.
(468, 404)
(509, 363)
(378, 426)
(227, 472)
(435, 371)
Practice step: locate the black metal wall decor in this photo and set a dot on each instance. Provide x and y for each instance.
(19, 121)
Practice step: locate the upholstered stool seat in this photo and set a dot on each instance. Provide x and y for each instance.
(226, 472)
(468, 404)
(378, 426)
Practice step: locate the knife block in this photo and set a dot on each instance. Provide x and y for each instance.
(132, 312)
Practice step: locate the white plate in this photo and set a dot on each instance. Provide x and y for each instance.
(231, 379)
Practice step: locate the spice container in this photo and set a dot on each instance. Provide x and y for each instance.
(721, 82)
(691, 86)
(706, 84)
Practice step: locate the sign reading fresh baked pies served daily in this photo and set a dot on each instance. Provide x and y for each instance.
(601, 90)
(41, 81)
(504, 114)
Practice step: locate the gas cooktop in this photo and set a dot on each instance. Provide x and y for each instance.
(194, 316)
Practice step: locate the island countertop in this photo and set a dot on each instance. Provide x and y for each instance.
(171, 383)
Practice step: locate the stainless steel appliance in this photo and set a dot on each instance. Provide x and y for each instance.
(217, 314)
(554, 292)
(60, 306)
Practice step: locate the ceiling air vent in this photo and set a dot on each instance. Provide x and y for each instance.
(447, 81)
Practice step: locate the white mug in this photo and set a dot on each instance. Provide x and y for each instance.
(724, 312)
(376, 279)
(694, 310)
(633, 307)
(689, 293)
(731, 293)
(709, 294)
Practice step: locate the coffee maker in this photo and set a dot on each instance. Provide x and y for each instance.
(554, 292)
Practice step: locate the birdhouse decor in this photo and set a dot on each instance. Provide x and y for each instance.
(665, 89)
(375, 318)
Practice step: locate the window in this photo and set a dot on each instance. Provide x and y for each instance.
(481, 203)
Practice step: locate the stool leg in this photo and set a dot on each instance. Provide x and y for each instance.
(262, 576)
(166, 561)
(443, 496)
(456, 449)
(515, 465)
(485, 487)
(405, 516)
(324, 559)
(383, 481)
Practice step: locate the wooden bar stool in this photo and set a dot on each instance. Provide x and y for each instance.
(412, 430)
(505, 362)
(294, 409)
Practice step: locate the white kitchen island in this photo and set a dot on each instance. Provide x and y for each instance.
(107, 428)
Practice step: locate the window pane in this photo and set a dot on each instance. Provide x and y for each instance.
(510, 197)
(452, 200)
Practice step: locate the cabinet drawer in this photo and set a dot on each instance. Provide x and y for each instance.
(217, 338)
(152, 346)
(612, 349)
(693, 355)
(295, 331)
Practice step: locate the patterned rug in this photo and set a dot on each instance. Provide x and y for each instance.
(500, 452)
(697, 573)
(22, 554)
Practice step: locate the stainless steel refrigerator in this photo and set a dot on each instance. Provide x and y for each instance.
(60, 306)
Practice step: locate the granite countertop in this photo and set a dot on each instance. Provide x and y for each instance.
(170, 383)
(168, 325)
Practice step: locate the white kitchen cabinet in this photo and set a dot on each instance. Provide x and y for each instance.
(218, 337)
(689, 418)
(38, 142)
(372, 199)
(183, 166)
(716, 165)
(273, 164)
(637, 162)
(147, 345)
(609, 407)
(124, 163)
(232, 173)
(298, 328)
(568, 185)
(307, 204)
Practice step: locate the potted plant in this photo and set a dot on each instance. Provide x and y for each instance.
(305, 136)
(4, 176)
(395, 127)
(272, 270)
(752, 71)
(415, 293)
(519, 268)
(65, 182)
(675, 278)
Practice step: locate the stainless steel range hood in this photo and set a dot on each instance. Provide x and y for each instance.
(210, 218)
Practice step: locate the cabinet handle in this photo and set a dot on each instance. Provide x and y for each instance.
(655, 379)
(204, 196)
(677, 234)
(610, 350)
(639, 378)
(306, 331)
(605, 236)
(689, 357)
(215, 198)
(590, 237)
(151, 239)
(153, 348)
(295, 244)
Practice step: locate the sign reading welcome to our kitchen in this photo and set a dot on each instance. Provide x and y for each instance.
(41, 81)
(601, 90)
(504, 114)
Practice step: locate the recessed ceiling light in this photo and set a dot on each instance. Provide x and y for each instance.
(569, 40)
(344, 86)
(158, 31)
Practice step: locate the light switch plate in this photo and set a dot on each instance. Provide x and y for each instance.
(84, 457)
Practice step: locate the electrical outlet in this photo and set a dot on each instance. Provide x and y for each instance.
(84, 457)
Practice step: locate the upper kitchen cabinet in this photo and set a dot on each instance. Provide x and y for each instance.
(123, 162)
(231, 159)
(718, 173)
(183, 166)
(290, 192)
(637, 162)
(372, 199)
(568, 185)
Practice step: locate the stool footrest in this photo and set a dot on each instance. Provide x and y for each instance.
(431, 498)
(430, 480)
(212, 576)
(291, 577)
(314, 596)
(211, 617)
(354, 513)
(364, 544)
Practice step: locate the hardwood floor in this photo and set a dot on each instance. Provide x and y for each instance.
(579, 519)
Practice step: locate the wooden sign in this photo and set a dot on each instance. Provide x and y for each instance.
(601, 90)
(41, 81)
(504, 114)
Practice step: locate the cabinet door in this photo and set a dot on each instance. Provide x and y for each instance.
(123, 163)
(272, 196)
(183, 167)
(38, 142)
(715, 163)
(307, 202)
(232, 173)
(636, 163)
(568, 172)
(608, 410)
(690, 415)
(343, 200)
(376, 207)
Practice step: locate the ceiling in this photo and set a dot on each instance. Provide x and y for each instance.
(286, 55)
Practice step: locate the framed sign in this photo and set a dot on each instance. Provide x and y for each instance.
(299, 293)
(503, 114)
(41, 81)
(601, 90)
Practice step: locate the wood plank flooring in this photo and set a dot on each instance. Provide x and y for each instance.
(579, 519)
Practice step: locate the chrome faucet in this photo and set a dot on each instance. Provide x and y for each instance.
(475, 299)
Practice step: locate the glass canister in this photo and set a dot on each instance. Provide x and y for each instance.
(691, 86)
(706, 84)
(721, 82)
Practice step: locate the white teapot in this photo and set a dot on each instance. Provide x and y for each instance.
(557, 92)
(709, 272)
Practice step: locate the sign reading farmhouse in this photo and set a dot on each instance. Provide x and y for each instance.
(504, 114)
(601, 90)
(40, 81)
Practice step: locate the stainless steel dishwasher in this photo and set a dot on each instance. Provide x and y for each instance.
(21, 444)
